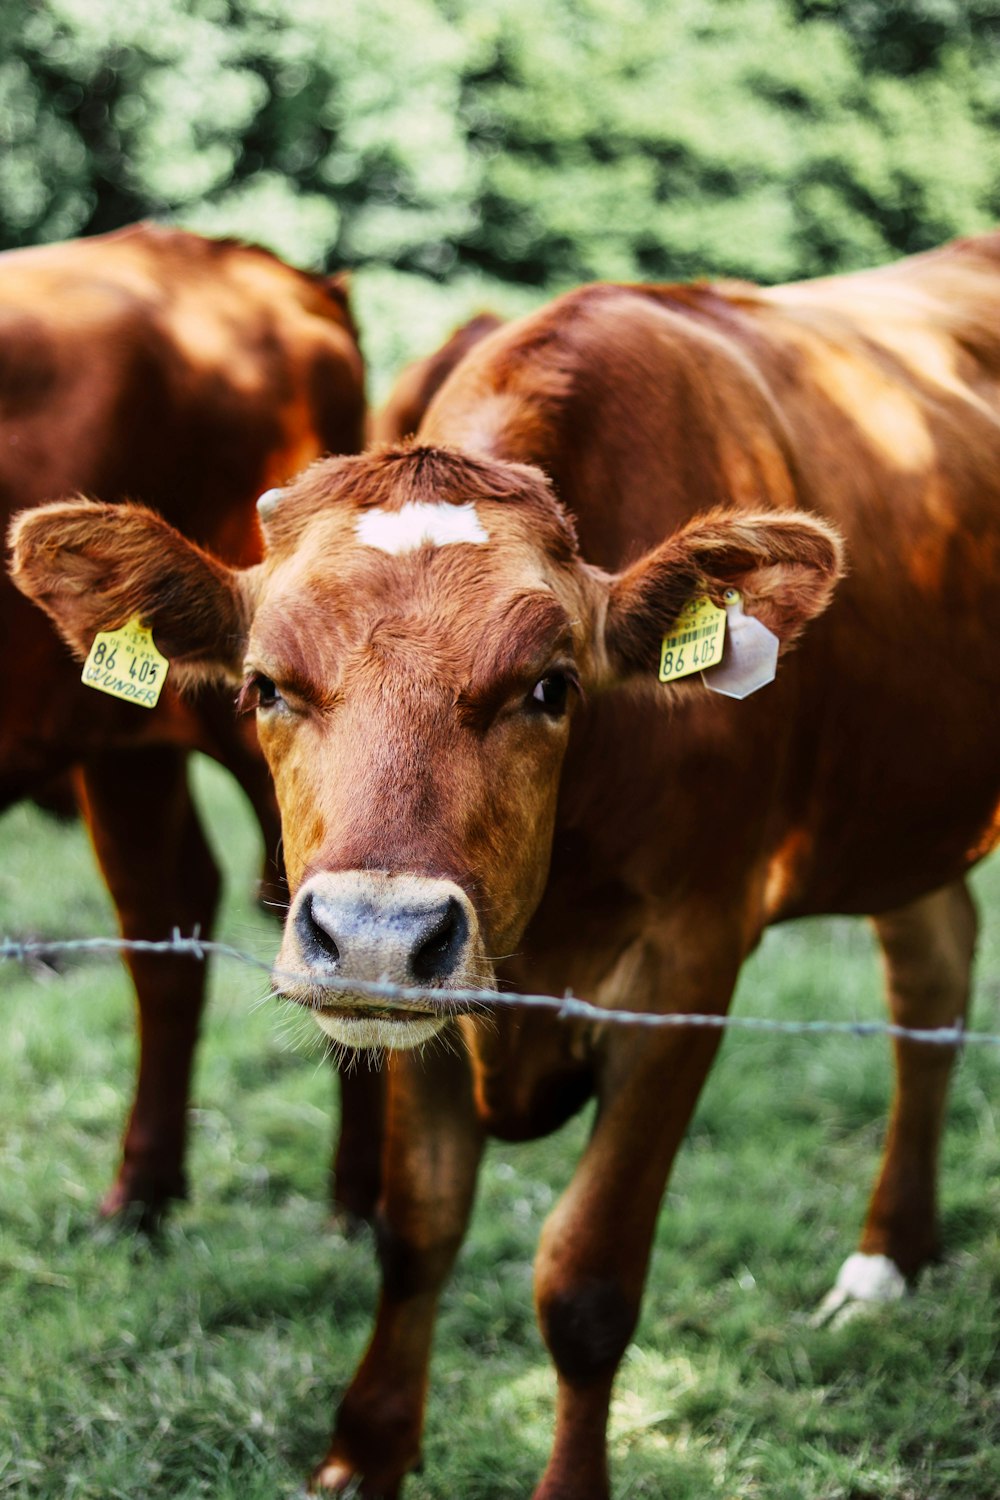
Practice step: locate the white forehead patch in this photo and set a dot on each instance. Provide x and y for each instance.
(418, 524)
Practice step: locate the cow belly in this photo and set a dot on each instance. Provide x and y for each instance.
(913, 807)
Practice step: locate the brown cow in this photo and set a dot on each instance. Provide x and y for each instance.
(193, 374)
(417, 385)
(462, 789)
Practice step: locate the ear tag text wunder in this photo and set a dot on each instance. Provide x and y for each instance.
(126, 664)
(695, 642)
(751, 656)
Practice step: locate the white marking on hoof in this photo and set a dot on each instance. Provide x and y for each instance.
(335, 1479)
(863, 1283)
(267, 503)
(417, 524)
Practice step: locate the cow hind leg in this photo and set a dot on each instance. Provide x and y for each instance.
(928, 949)
(161, 875)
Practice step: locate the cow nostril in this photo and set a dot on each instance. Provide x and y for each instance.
(436, 955)
(316, 939)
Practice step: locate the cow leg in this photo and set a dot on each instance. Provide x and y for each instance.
(928, 949)
(356, 1167)
(433, 1146)
(233, 743)
(595, 1246)
(356, 1176)
(161, 875)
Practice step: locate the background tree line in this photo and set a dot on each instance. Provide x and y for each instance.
(497, 153)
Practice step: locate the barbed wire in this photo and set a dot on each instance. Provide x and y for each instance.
(472, 1001)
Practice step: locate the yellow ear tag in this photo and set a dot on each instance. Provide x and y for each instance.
(126, 664)
(695, 642)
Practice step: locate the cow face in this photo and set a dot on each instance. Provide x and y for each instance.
(414, 656)
(414, 646)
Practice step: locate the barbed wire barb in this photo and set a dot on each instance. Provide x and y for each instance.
(469, 1001)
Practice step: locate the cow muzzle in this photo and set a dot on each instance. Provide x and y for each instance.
(372, 927)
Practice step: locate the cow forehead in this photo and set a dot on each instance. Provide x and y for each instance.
(444, 583)
(412, 547)
(417, 496)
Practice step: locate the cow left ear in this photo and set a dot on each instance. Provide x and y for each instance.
(92, 567)
(785, 564)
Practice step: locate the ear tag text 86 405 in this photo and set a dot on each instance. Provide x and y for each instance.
(695, 642)
(126, 664)
(751, 656)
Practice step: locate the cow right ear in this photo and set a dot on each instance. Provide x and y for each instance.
(784, 564)
(93, 567)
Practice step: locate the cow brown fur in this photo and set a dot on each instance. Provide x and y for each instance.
(479, 772)
(193, 374)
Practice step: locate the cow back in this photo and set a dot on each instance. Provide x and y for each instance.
(873, 400)
(153, 364)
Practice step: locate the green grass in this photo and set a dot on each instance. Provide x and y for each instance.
(210, 1367)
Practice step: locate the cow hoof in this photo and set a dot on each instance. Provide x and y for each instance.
(132, 1209)
(131, 1218)
(337, 1477)
(865, 1282)
(348, 1223)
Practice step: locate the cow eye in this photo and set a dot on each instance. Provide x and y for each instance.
(259, 692)
(267, 693)
(550, 694)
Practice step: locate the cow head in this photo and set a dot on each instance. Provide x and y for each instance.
(414, 646)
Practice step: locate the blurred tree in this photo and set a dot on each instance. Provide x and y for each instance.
(627, 138)
(908, 36)
(294, 121)
(512, 145)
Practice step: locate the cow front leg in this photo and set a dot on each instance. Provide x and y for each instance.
(928, 949)
(161, 875)
(433, 1143)
(595, 1247)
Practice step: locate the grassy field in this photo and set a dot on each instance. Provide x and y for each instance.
(210, 1367)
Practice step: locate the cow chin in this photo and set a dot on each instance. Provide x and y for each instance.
(368, 1033)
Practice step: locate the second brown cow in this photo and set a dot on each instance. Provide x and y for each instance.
(193, 374)
(454, 661)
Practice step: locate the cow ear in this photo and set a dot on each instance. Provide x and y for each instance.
(785, 565)
(92, 567)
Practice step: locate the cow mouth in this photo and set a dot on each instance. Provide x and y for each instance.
(366, 1011)
(362, 1026)
(360, 1023)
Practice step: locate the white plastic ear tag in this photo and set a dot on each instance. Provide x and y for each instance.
(126, 664)
(750, 659)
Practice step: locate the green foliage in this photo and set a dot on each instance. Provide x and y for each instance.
(299, 123)
(529, 144)
(640, 140)
(211, 1368)
(909, 36)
